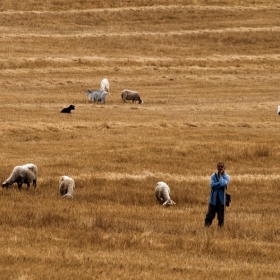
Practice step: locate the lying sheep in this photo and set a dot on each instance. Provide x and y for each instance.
(162, 193)
(66, 186)
(131, 95)
(105, 84)
(97, 95)
(24, 174)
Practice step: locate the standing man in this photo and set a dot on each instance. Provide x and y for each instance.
(218, 184)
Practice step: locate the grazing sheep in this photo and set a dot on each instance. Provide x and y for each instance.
(24, 174)
(68, 109)
(131, 95)
(104, 84)
(162, 193)
(66, 186)
(97, 95)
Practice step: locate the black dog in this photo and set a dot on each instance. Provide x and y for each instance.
(68, 109)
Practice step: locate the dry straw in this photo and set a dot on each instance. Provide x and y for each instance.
(209, 75)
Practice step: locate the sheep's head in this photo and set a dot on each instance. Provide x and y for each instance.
(168, 202)
(68, 196)
(5, 185)
(72, 107)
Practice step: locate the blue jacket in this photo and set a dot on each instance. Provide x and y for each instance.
(217, 187)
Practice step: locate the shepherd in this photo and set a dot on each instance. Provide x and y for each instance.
(218, 183)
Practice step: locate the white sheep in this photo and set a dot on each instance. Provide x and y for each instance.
(66, 186)
(105, 84)
(24, 174)
(162, 193)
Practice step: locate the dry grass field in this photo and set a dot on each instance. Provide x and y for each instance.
(209, 74)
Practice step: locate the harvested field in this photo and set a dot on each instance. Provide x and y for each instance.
(208, 72)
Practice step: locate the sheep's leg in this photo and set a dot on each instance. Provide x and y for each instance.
(34, 183)
(28, 185)
(159, 199)
(19, 185)
(63, 191)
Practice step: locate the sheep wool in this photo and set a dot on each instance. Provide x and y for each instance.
(104, 84)
(66, 186)
(24, 174)
(162, 193)
(131, 95)
(97, 95)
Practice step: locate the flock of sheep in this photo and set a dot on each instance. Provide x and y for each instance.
(101, 94)
(27, 174)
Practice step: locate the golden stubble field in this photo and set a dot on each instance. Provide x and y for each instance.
(209, 75)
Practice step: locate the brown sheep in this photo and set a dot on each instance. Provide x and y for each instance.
(131, 95)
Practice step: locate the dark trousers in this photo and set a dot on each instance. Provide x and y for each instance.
(212, 210)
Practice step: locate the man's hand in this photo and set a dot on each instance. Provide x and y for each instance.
(221, 169)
